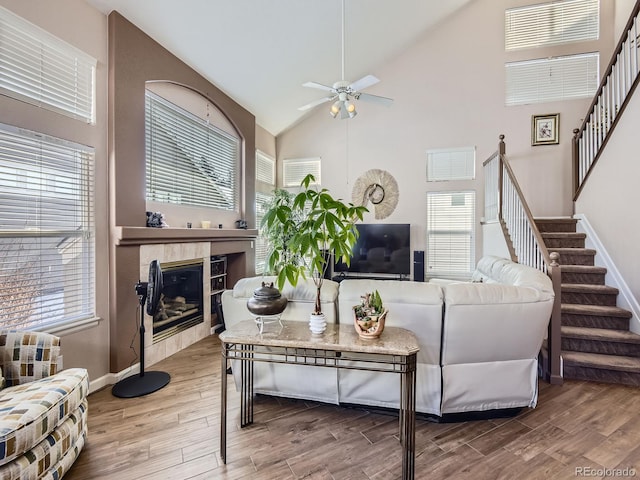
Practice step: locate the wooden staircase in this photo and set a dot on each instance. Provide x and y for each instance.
(596, 342)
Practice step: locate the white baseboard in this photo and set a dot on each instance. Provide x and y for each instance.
(613, 278)
(113, 378)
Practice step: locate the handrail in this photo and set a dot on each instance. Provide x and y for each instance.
(618, 83)
(525, 242)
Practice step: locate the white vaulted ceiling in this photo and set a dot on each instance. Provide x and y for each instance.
(260, 52)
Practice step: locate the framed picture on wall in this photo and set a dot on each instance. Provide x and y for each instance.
(544, 129)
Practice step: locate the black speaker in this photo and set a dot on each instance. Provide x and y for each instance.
(418, 265)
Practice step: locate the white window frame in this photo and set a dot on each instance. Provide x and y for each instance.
(189, 161)
(295, 169)
(448, 164)
(47, 232)
(39, 68)
(552, 79)
(552, 23)
(450, 235)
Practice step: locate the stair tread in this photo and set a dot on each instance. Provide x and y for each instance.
(602, 310)
(583, 269)
(589, 288)
(602, 361)
(556, 219)
(574, 250)
(603, 334)
(563, 235)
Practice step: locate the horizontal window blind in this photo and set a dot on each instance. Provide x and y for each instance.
(552, 79)
(551, 23)
(450, 234)
(263, 201)
(265, 168)
(295, 169)
(451, 164)
(189, 161)
(39, 68)
(46, 231)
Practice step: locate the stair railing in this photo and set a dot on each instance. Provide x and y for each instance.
(505, 203)
(618, 83)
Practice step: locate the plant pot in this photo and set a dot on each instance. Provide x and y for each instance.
(317, 323)
(371, 326)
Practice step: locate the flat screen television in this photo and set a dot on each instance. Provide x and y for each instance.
(382, 248)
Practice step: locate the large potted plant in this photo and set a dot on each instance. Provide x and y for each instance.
(311, 229)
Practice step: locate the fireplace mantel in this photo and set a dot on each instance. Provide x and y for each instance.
(148, 235)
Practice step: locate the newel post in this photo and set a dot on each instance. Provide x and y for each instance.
(575, 156)
(554, 335)
(502, 148)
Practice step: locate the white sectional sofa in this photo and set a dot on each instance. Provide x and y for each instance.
(479, 340)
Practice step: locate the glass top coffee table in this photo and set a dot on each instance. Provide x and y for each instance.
(338, 347)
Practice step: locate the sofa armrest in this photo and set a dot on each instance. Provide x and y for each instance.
(28, 356)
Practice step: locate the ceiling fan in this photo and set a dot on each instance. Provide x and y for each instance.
(344, 92)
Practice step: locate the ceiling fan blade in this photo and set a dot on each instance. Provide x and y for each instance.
(316, 102)
(318, 85)
(363, 83)
(367, 97)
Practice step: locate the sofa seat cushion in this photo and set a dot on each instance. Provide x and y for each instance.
(54, 455)
(30, 412)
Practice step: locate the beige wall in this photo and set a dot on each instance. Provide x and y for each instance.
(610, 197)
(448, 91)
(86, 348)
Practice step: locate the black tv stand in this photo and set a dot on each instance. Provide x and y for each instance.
(338, 278)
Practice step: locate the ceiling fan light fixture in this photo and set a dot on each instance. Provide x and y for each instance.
(335, 108)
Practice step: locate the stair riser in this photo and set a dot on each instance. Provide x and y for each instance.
(600, 375)
(594, 321)
(598, 346)
(569, 226)
(604, 299)
(577, 259)
(588, 278)
(552, 243)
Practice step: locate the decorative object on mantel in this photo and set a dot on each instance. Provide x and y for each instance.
(315, 228)
(369, 316)
(544, 129)
(156, 220)
(241, 224)
(267, 304)
(378, 187)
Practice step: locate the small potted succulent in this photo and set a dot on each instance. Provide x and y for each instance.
(370, 315)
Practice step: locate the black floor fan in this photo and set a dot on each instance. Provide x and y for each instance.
(145, 382)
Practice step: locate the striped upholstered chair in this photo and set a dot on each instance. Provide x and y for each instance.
(43, 414)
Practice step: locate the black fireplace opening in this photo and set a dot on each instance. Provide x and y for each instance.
(181, 301)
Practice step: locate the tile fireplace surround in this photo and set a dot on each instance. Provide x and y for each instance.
(173, 245)
(173, 252)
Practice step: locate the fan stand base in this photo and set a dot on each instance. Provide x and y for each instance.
(139, 385)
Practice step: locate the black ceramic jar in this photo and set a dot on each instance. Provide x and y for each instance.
(267, 300)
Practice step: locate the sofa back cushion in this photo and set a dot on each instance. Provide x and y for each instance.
(493, 322)
(301, 298)
(491, 269)
(416, 306)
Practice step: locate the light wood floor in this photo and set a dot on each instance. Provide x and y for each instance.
(174, 434)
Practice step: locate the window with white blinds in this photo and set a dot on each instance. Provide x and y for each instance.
(451, 164)
(263, 200)
(552, 23)
(295, 169)
(46, 231)
(265, 169)
(188, 160)
(450, 234)
(39, 68)
(552, 79)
